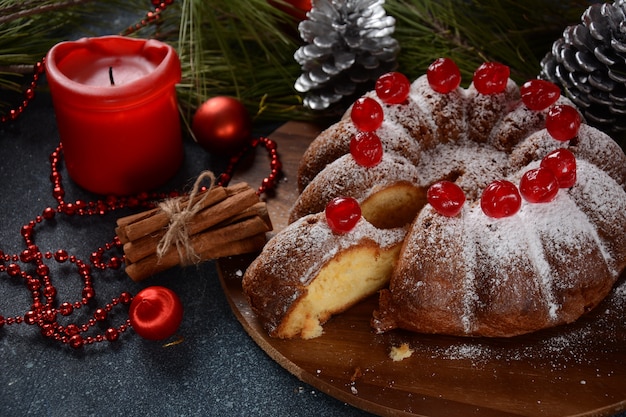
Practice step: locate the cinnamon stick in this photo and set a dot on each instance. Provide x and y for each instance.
(138, 225)
(139, 248)
(144, 269)
(228, 221)
(228, 240)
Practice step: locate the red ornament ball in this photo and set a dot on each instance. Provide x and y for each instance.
(296, 8)
(155, 313)
(222, 125)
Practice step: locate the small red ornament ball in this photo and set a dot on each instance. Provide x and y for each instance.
(222, 125)
(155, 313)
(296, 8)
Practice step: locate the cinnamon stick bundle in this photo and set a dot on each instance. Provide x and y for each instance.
(226, 221)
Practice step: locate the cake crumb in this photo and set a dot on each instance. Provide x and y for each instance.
(401, 352)
(356, 375)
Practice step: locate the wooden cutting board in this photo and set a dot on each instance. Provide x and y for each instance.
(575, 370)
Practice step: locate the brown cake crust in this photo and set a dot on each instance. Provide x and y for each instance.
(280, 278)
(364, 182)
(475, 281)
(468, 275)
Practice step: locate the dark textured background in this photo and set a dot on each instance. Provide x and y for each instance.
(216, 371)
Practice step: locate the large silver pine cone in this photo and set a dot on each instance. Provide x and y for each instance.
(349, 44)
(589, 64)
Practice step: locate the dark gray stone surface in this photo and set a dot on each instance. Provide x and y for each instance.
(217, 370)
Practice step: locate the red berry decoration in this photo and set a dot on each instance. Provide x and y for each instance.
(393, 88)
(155, 313)
(222, 125)
(491, 78)
(446, 197)
(563, 122)
(443, 75)
(500, 199)
(562, 163)
(539, 185)
(342, 214)
(367, 114)
(366, 149)
(539, 94)
(296, 8)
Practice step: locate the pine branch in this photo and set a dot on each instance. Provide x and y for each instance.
(244, 48)
(27, 9)
(238, 48)
(28, 29)
(471, 32)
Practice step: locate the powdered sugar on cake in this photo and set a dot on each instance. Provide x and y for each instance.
(320, 244)
(471, 274)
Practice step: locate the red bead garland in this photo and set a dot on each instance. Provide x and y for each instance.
(151, 16)
(276, 166)
(29, 94)
(46, 311)
(38, 69)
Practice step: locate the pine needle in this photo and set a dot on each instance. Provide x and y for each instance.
(244, 48)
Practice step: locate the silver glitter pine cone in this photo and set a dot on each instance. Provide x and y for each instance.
(349, 45)
(589, 64)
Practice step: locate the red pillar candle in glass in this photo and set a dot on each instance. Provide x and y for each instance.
(117, 114)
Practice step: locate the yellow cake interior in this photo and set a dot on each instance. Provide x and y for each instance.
(349, 277)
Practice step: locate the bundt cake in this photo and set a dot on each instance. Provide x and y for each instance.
(511, 209)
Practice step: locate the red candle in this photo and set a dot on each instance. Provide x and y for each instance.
(117, 114)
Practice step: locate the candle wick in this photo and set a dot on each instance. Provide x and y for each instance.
(111, 76)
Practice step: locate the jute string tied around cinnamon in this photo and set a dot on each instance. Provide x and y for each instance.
(177, 233)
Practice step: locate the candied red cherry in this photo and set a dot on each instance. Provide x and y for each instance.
(366, 149)
(563, 122)
(446, 197)
(539, 185)
(562, 163)
(491, 78)
(443, 75)
(500, 199)
(539, 94)
(393, 88)
(342, 214)
(367, 114)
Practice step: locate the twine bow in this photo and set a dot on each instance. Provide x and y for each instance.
(177, 233)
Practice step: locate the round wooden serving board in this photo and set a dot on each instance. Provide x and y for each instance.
(575, 370)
